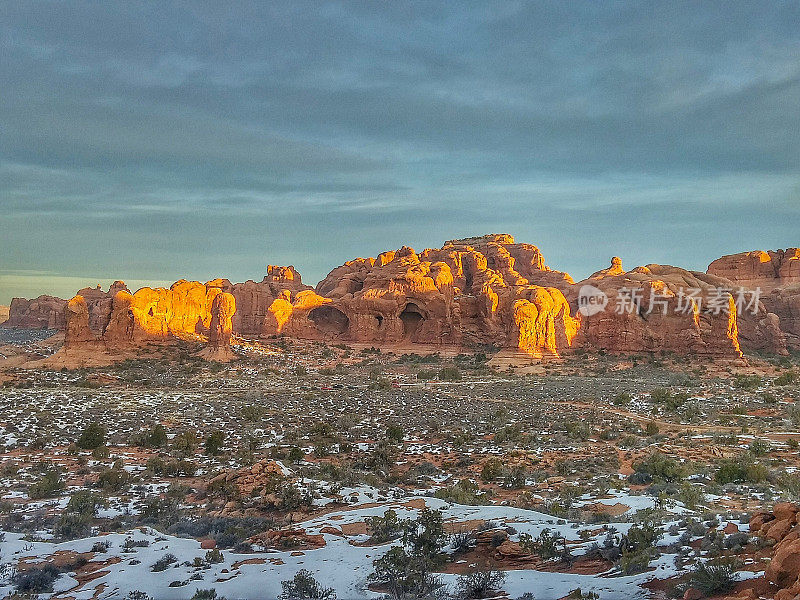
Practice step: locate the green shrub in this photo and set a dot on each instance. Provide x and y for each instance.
(661, 467)
(305, 587)
(48, 486)
(714, 576)
(385, 528)
(740, 470)
(214, 443)
(449, 374)
(786, 378)
(479, 584)
(749, 383)
(93, 436)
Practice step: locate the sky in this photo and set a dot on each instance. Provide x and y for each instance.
(153, 141)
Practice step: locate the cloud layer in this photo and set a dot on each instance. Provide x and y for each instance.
(158, 141)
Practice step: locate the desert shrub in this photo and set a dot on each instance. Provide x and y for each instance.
(622, 399)
(749, 383)
(296, 454)
(113, 480)
(385, 528)
(759, 447)
(577, 594)
(164, 562)
(509, 433)
(661, 467)
(49, 485)
(93, 436)
(405, 575)
(465, 491)
(691, 495)
(210, 594)
(492, 469)
(406, 570)
(395, 433)
(253, 412)
(228, 532)
(714, 576)
(479, 584)
(214, 556)
(462, 542)
(36, 580)
(185, 443)
(790, 482)
(130, 544)
(547, 545)
(740, 470)
(76, 520)
(660, 395)
(450, 374)
(638, 547)
(304, 587)
(214, 443)
(786, 378)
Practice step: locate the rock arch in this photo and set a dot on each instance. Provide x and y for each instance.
(412, 318)
(329, 320)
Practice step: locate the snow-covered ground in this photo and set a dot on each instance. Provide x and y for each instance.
(341, 563)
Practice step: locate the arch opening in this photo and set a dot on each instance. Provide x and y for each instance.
(411, 317)
(329, 320)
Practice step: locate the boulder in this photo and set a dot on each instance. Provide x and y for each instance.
(784, 568)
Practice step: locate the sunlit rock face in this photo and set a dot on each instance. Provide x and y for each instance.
(765, 270)
(48, 311)
(483, 290)
(186, 309)
(657, 317)
(220, 331)
(486, 290)
(254, 300)
(777, 275)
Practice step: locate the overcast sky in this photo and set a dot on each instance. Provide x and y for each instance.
(154, 141)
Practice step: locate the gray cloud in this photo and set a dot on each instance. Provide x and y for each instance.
(154, 141)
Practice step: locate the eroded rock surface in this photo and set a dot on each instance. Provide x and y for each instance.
(776, 276)
(186, 309)
(44, 312)
(471, 292)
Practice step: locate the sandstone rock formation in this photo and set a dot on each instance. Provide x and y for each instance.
(3, 314)
(783, 305)
(767, 270)
(472, 292)
(486, 290)
(186, 309)
(776, 277)
(254, 316)
(44, 312)
(220, 331)
(651, 309)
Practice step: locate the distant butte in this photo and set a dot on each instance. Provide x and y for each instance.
(486, 291)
